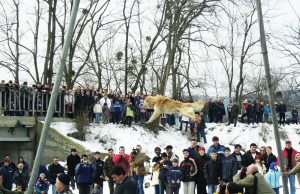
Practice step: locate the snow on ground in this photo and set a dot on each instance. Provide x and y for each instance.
(101, 137)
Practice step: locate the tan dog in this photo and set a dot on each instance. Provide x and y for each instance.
(163, 104)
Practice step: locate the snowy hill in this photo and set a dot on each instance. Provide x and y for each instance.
(101, 137)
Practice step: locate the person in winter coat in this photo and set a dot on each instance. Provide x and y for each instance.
(54, 170)
(216, 147)
(97, 111)
(289, 163)
(124, 184)
(139, 170)
(200, 129)
(171, 154)
(108, 164)
(296, 169)
(229, 166)
(294, 116)
(249, 156)
(21, 160)
(129, 113)
(84, 172)
(62, 184)
(251, 113)
(98, 176)
(262, 187)
(174, 178)
(237, 155)
(193, 149)
(189, 171)
(267, 112)
(72, 160)
(273, 177)
(234, 114)
(281, 109)
(155, 169)
(78, 102)
(116, 110)
(7, 159)
(5, 191)
(21, 177)
(212, 172)
(186, 121)
(41, 185)
(122, 159)
(7, 173)
(200, 179)
(269, 158)
(259, 165)
(164, 166)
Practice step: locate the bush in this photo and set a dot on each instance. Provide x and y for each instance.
(81, 124)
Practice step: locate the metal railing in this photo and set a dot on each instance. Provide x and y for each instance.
(33, 103)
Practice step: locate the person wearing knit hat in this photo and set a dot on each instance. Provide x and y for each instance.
(200, 179)
(62, 184)
(273, 177)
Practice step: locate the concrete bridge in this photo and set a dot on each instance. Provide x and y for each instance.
(19, 136)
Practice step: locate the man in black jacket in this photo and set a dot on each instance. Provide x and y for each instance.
(72, 160)
(98, 176)
(54, 170)
(124, 184)
(248, 157)
(234, 113)
(108, 164)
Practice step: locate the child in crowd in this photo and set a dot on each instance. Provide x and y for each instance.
(42, 185)
(273, 177)
(174, 177)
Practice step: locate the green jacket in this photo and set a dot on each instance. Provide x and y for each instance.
(4, 191)
(138, 164)
(248, 182)
(108, 164)
(296, 170)
(235, 110)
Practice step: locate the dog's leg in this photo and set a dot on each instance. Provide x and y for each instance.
(155, 114)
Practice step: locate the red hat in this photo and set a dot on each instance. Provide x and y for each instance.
(201, 148)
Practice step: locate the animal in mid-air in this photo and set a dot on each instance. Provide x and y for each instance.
(163, 104)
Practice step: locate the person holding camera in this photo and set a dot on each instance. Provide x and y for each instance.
(84, 171)
(252, 181)
(139, 170)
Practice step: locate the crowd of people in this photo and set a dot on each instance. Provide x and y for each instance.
(217, 170)
(103, 107)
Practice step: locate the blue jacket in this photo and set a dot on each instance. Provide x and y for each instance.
(7, 173)
(273, 177)
(220, 149)
(267, 109)
(174, 177)
(84, 173)
(117, 107)
(229, 168)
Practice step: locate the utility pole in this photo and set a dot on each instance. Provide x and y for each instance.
(270, 90)
(54, 94)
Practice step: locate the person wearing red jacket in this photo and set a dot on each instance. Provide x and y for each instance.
(122, 159)
(289, 162)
